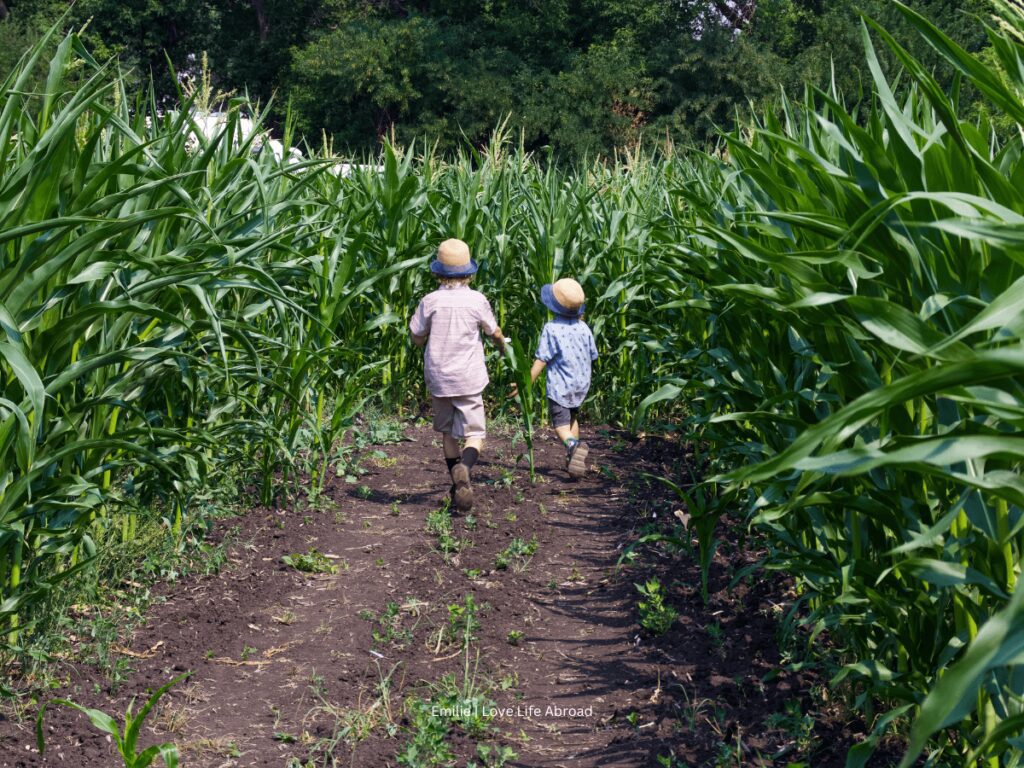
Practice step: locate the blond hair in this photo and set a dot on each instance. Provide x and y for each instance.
(464, 280)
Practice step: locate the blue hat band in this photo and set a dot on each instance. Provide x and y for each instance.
(444, 270)
(547, 297)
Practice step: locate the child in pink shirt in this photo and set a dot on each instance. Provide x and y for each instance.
(448, 322)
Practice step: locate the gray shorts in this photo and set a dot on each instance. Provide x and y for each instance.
(460, 417)
(560, 415)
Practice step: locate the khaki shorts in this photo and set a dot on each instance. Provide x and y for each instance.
(460, 417)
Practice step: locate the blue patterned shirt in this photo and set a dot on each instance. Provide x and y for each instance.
(568, 348)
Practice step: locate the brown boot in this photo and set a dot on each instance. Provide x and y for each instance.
(463, 490)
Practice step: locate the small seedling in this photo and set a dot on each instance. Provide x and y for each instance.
(312, 561)
(655, 616)
(428, 743)
(517, 554)
(125, 740)
(670, 761)
(317, 685)
(514, 637)
(509, 681)
(715, 633)
(463, 623)
(382, 460)
(495, 756)
(389, 629)
(439, 523)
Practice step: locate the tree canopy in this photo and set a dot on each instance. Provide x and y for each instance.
(581, 76)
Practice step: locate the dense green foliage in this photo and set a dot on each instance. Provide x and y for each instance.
(582, 76)
(830, 306)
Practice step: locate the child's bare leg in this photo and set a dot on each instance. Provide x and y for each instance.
(564, 433)
(575, 429)
(450, 446)
(471, 451)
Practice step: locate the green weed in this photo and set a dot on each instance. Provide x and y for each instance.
(312, 561)
(516, 555)
(655, 615)
(390, 628)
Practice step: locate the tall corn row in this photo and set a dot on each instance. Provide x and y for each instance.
(153, 317)
(860, 379)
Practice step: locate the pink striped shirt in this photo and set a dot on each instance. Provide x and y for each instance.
(451, 318)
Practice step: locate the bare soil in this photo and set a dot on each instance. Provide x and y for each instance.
(283, 661)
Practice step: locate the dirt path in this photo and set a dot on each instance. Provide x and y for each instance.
(290, 667)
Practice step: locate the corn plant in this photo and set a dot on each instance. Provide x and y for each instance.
(125, 738)
(519, 364)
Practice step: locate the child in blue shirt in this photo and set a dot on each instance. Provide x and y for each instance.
(566, 350)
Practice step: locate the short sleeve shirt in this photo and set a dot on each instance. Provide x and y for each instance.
(451, 318)
(567, 347)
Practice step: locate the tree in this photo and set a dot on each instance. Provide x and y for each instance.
(580, 76)
(21, 25)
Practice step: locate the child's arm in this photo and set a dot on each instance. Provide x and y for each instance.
(419, 327)
(537, 369)
(499, 339)
(489, 324)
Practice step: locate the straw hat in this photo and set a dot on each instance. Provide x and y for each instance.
(453, 260)
(564, 297)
